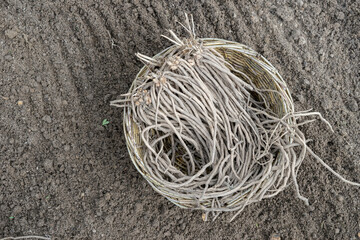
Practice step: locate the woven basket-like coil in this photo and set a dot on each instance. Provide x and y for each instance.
(262, 74)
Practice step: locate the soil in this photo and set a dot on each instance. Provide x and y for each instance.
(64, 175)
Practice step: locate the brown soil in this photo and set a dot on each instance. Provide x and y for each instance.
(64, 175)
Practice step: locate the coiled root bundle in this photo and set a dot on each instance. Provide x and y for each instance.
(211, 125)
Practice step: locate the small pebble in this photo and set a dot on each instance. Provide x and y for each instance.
(25, 89)
(322, 58)
(275, 236)
(109, 219)
(183, 226)
(358, 234)
(56, 143)
(73, 8)
(327, 104)
(46, 136)
(49, 165)
(107, 196)
(340, 15)
(301, 98)
(107, 97)
(20, 149)
(254, 18)
(40, 223)
(17, 210)
(47, 118)
(337, 231)
(67, 148)
(340, 198)
(20, 103)
(352, 105)
(286, 13)
(8, 57)
(11, 33)
(90, 96)
(138, 208)
(302, 41)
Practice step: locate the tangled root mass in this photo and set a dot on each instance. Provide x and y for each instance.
(217, 125)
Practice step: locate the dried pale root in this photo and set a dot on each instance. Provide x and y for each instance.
(214, 137)
(26, 237)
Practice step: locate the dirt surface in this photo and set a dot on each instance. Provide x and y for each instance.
(64, 175)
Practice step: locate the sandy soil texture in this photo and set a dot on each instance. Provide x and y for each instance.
(63, 174)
